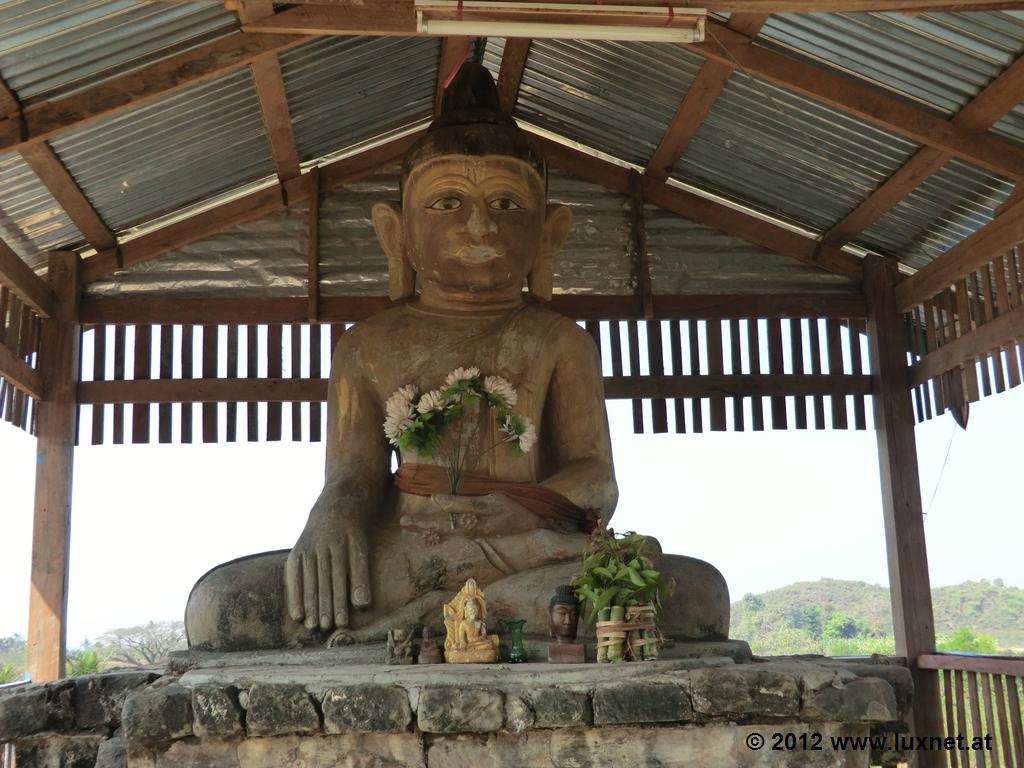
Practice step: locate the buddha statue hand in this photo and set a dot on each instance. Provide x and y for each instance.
(328, 568)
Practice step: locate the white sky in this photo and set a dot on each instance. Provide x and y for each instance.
(767, 509)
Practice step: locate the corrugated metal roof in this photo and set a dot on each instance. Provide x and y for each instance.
(261, 259)
(345, 90)
(1011, 126)
(614, 97)
(688, 257)
(156, 158)
(789, 155)
(942, 59)
(945, 209)
(49, 48)
(31, 221)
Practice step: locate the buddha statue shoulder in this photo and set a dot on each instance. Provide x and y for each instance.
(381, 550)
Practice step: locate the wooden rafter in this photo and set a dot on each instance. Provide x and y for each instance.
(704, 210)
(1002, 233)
(513, 64)
(43, 161)
(26, 284)
(697, 103)
(266, 74)
(980, 114)
(453, 52)
(20, 373)
(726, 46)
(160, 310)
(219, 57)
(248, 208)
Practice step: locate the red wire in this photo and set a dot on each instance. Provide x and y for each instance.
(671, 16)
(462, 60)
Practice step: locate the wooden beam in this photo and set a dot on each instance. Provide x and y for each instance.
(980, 114)
(910, 590)
(735, 385)
(253, 206)
(277, 118)
(162, 310)
(205, 62)
(985, 665)
(55, 432)
(250, 11)
(697, 103)
(873, 105)
(1002, 233)
(453, 52)
(985, 339)
(787, 6)
(19, 373)
(29, 287)
(513, 64)
(44, 162)
(704, 210)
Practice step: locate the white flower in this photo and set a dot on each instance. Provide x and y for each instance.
(496, 385)
(394, 426)
(529, 436)
(461, 374)
(432, 401)
(400, 403)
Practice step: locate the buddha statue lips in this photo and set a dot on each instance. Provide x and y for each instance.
(377, 553)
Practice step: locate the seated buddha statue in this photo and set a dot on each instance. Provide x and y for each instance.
(467, 640)
(382, 550)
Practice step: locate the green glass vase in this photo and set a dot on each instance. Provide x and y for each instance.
(517, 652)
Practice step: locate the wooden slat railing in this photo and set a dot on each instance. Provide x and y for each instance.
(20, 384)
(982, 697)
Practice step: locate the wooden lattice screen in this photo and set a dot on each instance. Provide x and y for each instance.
(20, 335)
(268, 382)
(987, 304)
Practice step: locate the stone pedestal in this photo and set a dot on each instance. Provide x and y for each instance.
(297, 709)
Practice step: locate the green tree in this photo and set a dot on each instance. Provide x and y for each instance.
(7, 674)
(842, 626)
(85, 662)
(965, 640)
(146, 644)
(752, 602)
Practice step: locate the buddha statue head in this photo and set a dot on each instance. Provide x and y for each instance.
(473, 223)
(564, 614)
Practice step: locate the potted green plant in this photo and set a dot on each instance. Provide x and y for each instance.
(618, 573)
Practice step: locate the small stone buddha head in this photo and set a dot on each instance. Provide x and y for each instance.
(564, 614)
(474, 219)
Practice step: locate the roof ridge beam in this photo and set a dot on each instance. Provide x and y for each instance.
(205, 62)
(696, 208)
(980, 114)
(697, 103)
(510, 75)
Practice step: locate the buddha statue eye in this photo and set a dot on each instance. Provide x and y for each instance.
(448, 203)
(504, 204)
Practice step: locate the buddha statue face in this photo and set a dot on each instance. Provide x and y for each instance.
(474, 222)
(563, 620)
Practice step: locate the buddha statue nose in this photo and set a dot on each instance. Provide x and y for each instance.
(480, 223)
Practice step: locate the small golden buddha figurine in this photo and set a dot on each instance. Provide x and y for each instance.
(467, 641)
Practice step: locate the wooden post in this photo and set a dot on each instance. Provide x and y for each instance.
(55, 431)
(910, 589)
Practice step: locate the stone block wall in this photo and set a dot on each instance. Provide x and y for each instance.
(528, 715)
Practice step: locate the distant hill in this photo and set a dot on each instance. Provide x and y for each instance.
(794, 618)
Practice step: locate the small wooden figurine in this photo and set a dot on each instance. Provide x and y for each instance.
(467, 641)
(429, 652)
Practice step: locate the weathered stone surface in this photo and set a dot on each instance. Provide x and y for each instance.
(712, 746)
(35, 709)
(349, 750)
(53, 751)
(460, 710)
(560, 707)
(100, 698)
(215, 712)
(113, 753)
(866, 699)
(366, 708)
(276, 710)
(157, 715)
(641, 703)
(744, 691)
(518, 715)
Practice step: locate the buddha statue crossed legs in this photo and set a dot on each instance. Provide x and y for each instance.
(381, 551)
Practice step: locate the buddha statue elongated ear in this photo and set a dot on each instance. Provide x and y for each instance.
(557, 223)
(387, 221)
